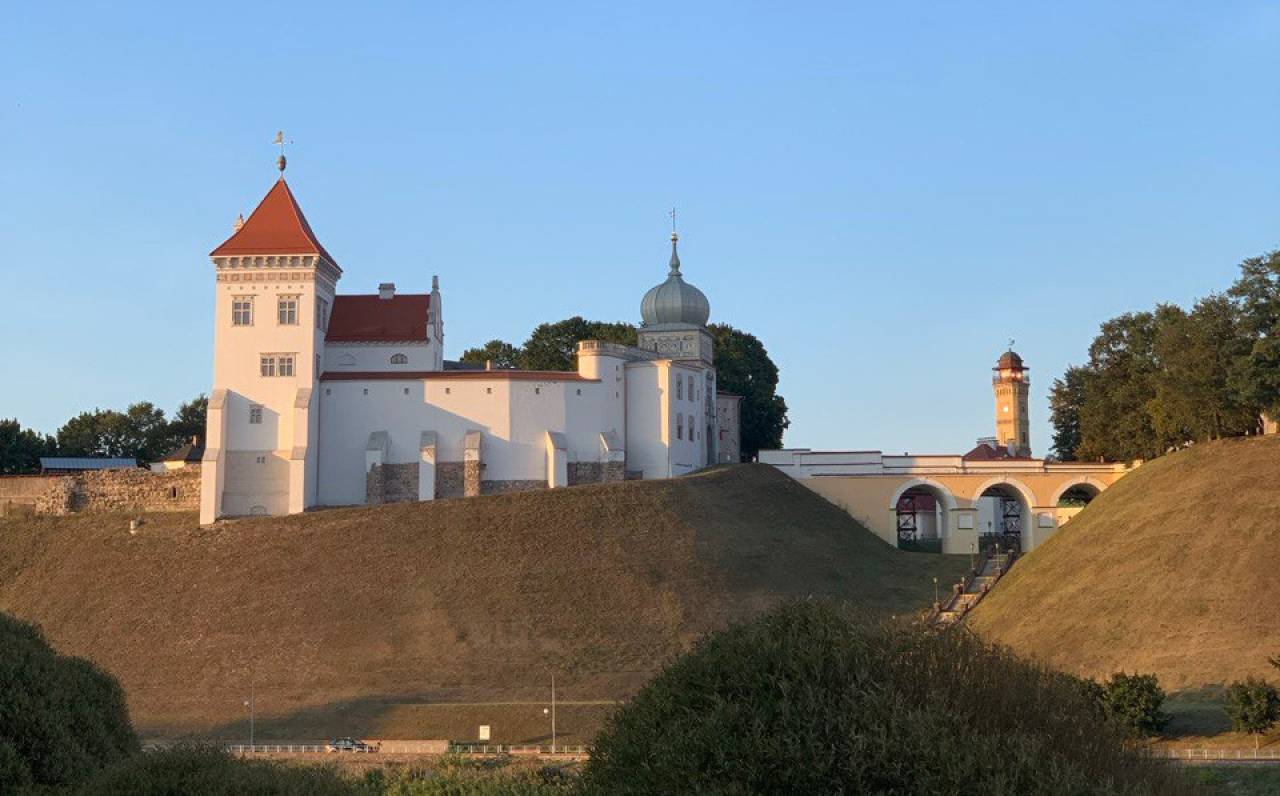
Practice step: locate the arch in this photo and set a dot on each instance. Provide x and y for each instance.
(347, 361)
(399, 359)
(1026, 494)
(948, 499)
(1097, 486)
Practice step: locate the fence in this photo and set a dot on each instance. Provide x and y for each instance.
(276, 749)
(513, 749)
(1217, 755)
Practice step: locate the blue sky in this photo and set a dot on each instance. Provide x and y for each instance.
(883, 193)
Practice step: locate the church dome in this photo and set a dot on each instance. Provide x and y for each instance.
(1009, 360)
(675, 300)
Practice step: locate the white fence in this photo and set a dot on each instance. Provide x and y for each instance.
(1217, 755)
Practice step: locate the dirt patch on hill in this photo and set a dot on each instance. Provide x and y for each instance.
(340, 619)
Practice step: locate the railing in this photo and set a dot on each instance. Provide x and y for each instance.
(950, 604)
(515, 749)
(1211, 755)
(278, 749)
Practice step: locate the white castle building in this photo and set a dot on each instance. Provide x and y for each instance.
(321, 399)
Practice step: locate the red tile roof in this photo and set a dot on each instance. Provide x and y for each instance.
(460, 375)
(370, 319)
(276, 226)
(985, 453)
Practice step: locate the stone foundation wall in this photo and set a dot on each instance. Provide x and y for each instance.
(449, 480)
(503, 487)
(391, 483)
(472, 486)
(615, 471)
(596, 472)
(121, 490)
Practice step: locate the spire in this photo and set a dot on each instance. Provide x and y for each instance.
(675, 256)
(280, 161)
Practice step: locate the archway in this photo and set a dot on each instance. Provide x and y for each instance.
(1004, 518)
(1074, 497)
(920, 513)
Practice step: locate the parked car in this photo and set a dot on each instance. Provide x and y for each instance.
(349, 745)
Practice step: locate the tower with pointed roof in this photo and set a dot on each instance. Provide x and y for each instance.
(275, 286)
(673, 316)
(1012, 386)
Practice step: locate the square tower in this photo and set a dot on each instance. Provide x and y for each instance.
(1012, 387)
(274, 288)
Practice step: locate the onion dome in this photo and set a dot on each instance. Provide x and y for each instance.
(675, 301)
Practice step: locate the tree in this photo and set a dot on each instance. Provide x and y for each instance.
(1256, 293)
(1253, 705)
(1114, 422)
(189, 421)
(743, 367)
(554, 346)
(140, 432)
(21, 448)
(1065, 399)
(501, 353)
(1134, 702)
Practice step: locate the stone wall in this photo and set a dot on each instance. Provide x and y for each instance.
(596, 472)
(503, 487)
(391, 483)
(449, 480)
(472, 486)
(121, 490)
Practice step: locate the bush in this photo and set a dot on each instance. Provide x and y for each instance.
(1253, 705)
(813, 699)
(212, 772)
(61, 718)
(1133, 702)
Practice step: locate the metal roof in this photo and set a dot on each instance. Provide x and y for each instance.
(85, 463)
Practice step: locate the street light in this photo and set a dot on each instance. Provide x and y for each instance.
(935, 590)
(249, 703)
(972, 552)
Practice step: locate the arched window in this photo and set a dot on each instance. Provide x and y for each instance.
(679, 426)
(399, 359)
(346, 361)
(679, 388)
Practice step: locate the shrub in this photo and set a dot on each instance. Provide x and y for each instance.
(210, 771)
(1133, 701)
(61, 718)
(1253, 706)
(814, 699)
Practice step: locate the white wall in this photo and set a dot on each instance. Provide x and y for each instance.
(422, 356)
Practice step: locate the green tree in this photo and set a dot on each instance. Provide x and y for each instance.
(21, 448)
(61, 718)
(743, 367)
(140, 432)
(1114, 419)
(1253, 705)
(554, 346)
(1256, 293)
(1134, 702)
(501, 353)
(1066, 396)
(189, 421)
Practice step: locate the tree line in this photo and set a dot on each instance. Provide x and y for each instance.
(743, 367)
(1164, 378)
(141, 432)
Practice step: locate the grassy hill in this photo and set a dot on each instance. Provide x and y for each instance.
(363, 620)
(1174, 570)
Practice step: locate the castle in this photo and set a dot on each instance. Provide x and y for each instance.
(322, 399)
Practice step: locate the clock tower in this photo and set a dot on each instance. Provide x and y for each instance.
(1012, 386)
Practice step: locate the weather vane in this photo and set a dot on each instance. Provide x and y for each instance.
(280, 161)
(1010, 343)
(673, 220)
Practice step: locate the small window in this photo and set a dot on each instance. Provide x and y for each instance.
(173, 492)
(447, 391)
(242, 311)
(488, 390)
(579, 391)
(287, 310)
(267, 365)
(679, 426)
(679, 388)
(328, 391)
(284, 365)
(399, 359)
(322, 314)
(262, 460)
(537, 391)
(255, 414)
(406, 390)
(366, 390)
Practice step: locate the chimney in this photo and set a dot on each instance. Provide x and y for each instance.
(387, 290)
(488, 364)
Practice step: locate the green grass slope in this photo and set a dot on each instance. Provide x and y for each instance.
(359, 620)
(1174, 570)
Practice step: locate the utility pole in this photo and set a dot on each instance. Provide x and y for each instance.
(553, 713)
(249, 703)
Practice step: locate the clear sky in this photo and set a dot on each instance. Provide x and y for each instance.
(884, 193)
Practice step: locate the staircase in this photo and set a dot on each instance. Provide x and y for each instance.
(990, 569)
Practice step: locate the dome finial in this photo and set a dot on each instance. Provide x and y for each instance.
(675, 256)
(280, 161)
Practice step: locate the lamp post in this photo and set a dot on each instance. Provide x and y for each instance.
(552, 712)
(249, 703)
(935, 591)
(972, 556)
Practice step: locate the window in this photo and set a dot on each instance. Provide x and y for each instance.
(679, 388)
(406, 390)
(322, 314)
(276, 365)
(262, 460)
(692, 395)
(287, 310)
(679, 426)
(242, 311)
(399, 359)
(255, 414)
(488, 390)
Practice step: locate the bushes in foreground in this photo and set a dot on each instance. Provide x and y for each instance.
(1134, 702)
(61, 718)
(813, 699)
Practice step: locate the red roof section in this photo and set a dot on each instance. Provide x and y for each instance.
(370, 319)
(454, 375)
(276, 226)
(985, 453)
